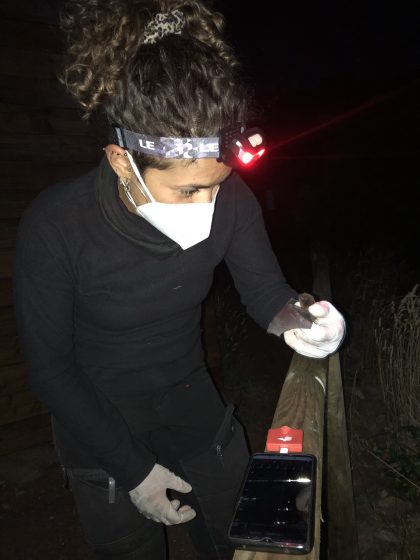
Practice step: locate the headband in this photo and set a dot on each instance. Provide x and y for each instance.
(162, 146)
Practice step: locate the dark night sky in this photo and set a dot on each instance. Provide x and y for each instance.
(313, 61)
(310, 62)
(327, 46)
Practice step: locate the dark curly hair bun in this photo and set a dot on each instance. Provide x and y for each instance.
(183, 84)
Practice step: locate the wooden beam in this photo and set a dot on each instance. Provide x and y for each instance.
(340, 511)
(311, 386)
(7, 321)
(301, 406)
(9, 351)
(6, 294)
(6, 262)
(14, 203)
(341, 520)
(12, 379)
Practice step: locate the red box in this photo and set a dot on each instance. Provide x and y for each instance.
(284, 440)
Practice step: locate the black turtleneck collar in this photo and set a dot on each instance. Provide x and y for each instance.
(132, 227)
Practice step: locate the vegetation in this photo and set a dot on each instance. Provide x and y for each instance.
(381, 364)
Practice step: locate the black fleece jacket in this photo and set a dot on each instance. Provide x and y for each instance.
(107, 306)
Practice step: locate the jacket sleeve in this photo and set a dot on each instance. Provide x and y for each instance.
(43, 291)
(254, 266)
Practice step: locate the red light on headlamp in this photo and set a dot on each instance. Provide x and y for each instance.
(241, 147)
(247, 158)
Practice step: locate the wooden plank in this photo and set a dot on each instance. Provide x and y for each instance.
(8, 229)
(301, 406)
(6, 294)
(7, 240)
(13, 203)
(9, 351)
(25, 433)
(8, 232)
(7, 321)
(12, 379)
(341, 519)
(19, 406)
(6, 262)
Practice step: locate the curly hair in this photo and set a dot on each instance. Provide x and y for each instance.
(182, 85)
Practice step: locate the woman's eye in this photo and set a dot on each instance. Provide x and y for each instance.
(189, 193)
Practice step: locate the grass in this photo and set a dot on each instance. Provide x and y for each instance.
(382, 382)
(397, 338)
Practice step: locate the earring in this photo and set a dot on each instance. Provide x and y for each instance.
(125, 183)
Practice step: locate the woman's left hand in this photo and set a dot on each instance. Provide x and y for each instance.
(325, 334)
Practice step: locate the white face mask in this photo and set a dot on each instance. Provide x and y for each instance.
(186, 224)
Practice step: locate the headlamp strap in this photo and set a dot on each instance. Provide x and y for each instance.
(162, 146)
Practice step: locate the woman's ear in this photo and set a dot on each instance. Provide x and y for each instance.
(118, 160)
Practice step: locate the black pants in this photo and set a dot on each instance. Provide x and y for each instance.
(194, 434)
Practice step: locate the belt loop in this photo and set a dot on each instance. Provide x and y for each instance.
(111, 490)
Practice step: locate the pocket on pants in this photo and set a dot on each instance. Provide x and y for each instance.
(103, 522)
(216, 476)
(96, 479)
(225, 432)
(221, 466)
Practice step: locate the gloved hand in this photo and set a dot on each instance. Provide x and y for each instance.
(151, 500)
(325, 334)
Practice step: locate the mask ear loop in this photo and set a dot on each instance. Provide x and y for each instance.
(126, 186)
(146, 193)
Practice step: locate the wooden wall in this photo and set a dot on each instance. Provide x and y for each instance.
(42, 140)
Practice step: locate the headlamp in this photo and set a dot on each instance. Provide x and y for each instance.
(236, 146)
(241, 146)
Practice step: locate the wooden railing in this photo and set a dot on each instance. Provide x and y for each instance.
(312, 400)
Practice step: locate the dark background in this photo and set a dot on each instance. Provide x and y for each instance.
(346, 75)
(353, 65)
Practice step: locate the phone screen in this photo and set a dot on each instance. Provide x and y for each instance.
(276, 503)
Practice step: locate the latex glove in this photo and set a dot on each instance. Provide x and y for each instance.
(151, 500)
(325, 334)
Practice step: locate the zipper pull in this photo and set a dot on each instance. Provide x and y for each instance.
(111, 490)
(219, 453)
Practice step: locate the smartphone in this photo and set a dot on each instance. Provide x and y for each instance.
(276, 504)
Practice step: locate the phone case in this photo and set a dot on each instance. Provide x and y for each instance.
(275, 508)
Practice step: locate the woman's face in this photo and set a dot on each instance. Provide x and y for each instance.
(183, 183)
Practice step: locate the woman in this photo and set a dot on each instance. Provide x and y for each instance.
(112, 267)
